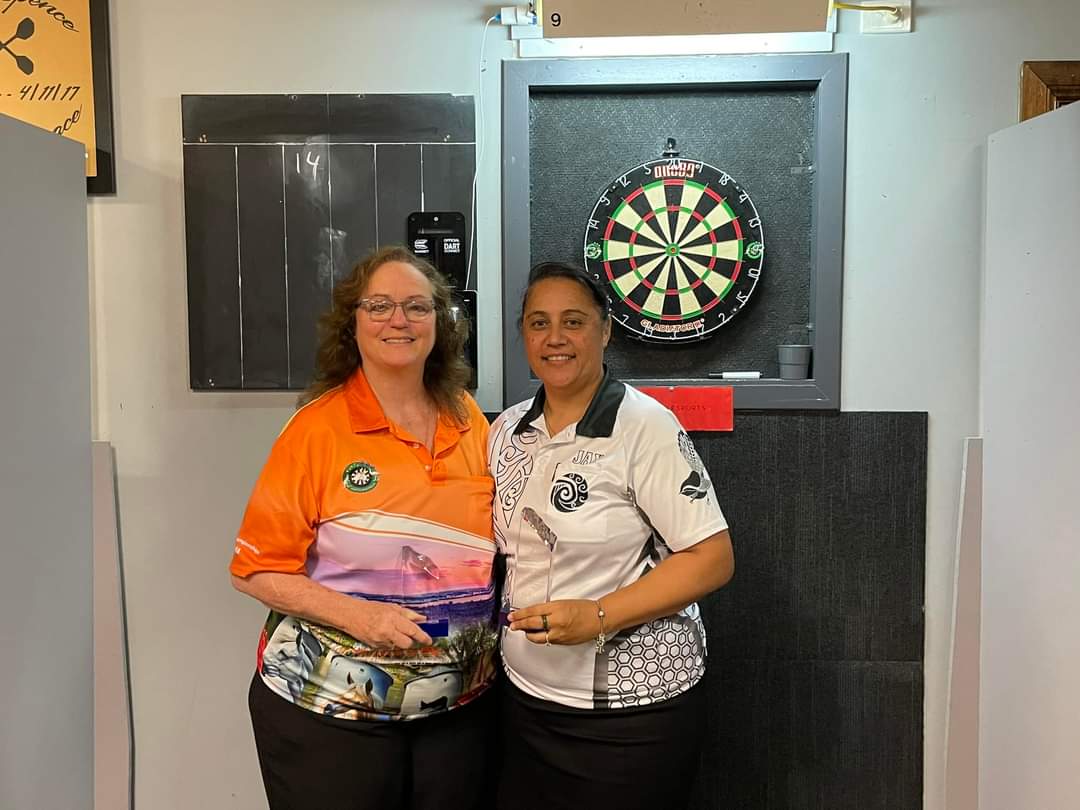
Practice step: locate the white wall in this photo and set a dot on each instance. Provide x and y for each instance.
(920, 108)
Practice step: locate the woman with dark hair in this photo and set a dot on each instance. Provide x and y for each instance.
(611, 531)
(368, 536)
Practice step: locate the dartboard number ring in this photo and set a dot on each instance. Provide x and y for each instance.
(679, 245)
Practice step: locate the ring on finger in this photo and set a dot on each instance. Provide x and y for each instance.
(544, 622)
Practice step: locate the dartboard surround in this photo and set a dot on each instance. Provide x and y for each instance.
(680, 247)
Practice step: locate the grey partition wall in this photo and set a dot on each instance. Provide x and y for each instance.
(1030, 649)
(46, 715)
(114, 742)
(574, 127)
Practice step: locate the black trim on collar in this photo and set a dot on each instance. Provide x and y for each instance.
(537, 408)
(597, 422)
(599, 418)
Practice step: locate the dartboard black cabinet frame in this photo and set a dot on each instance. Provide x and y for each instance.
(824, 76)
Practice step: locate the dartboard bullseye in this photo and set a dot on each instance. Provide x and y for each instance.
(680, 247)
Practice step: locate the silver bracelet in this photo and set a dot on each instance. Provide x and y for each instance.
(600, 638)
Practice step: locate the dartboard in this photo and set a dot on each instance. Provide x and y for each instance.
(679, 245)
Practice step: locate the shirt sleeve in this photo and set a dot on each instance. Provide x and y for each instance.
(280, 519)
(670, 484)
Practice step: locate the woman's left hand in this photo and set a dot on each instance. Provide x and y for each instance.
(568, 621)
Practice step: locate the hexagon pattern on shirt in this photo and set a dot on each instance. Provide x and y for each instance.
(641, 666)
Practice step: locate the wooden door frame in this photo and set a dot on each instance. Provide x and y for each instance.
(1045, 86)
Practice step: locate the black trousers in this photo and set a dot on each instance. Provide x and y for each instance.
(558, 758)
(311, 762)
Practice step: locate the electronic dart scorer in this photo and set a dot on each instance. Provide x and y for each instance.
(678, 244)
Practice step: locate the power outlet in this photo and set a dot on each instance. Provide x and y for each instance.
(882, 22)
(517, 15)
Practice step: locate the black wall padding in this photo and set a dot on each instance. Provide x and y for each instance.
(579, 142)
(815, 669)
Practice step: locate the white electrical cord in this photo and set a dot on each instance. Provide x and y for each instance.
(480, 146)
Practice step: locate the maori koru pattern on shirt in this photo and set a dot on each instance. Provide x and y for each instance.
(569, 492)
(511, 468)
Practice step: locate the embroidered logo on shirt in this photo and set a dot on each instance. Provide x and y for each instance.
(569, 492)
(241, 542)
(585, 457)
(360, 477)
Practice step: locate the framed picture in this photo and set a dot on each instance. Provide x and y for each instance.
(1045, 86)
(55, 74)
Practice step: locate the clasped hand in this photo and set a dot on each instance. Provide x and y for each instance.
(569, 621)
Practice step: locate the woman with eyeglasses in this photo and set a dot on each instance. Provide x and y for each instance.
(368, 536)
(611, 531)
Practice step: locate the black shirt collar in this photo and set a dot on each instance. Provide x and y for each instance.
(598, 421)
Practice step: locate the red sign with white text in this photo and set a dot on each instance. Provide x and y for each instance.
(709, 407)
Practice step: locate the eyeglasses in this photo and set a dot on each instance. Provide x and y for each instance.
(382, 309)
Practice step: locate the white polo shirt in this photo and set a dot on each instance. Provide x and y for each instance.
(585, 512)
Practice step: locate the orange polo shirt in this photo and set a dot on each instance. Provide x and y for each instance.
(359, 505)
